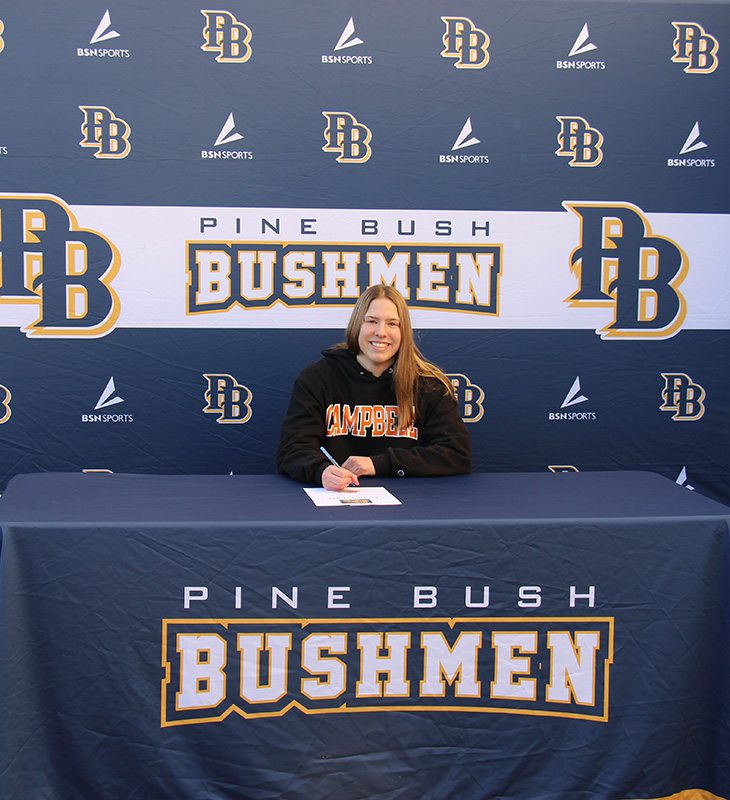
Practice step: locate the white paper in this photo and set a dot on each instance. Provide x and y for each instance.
(354, 496)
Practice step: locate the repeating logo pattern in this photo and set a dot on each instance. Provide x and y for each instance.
(105, 133)
(345, 136)
(581, 46)
(227, 398)
(224, 35)
(469, 396)
(464, 140)
(579, 142)
(104, 32)
(227, 135)
(5, 398)
(465, 43)
(682, 480)
(61, 277)
(348, 39)
(695, 48)
(692, 144)
(107, 399)
(682, 397)
(574, 397)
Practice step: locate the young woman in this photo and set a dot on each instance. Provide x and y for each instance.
(375, 404)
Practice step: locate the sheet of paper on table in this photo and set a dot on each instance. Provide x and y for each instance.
(354, 496)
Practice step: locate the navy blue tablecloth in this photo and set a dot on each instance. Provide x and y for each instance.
(513, 636)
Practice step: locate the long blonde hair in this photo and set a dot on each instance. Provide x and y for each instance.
(409, 364)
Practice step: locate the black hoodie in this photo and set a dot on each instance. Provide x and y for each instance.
(337, 403)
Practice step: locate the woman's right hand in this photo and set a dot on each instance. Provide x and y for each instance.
(335, 479)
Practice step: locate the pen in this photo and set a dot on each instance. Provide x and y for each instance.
(329, 456)
(334, 462)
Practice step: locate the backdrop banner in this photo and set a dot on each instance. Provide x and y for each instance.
(191, 200)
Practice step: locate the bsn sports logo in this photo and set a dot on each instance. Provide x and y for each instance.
(227, 135)
(695, 48)
(66, 270)
(574, 397)
(345, 136)
(5, 398)
(104, 32)
(582, 44)
(579, 142)
(469, 396)
(225, 35)
(692, 144)
(227, 398)
(682, 397)
(693, 141)
(347, 40)
(463, 140)
(683, 481)
(465, 43)
(105, 132)
(621, 265)
(108, 398)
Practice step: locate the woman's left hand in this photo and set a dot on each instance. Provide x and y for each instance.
(360, 465)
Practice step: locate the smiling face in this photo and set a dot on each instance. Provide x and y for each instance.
(380, 335)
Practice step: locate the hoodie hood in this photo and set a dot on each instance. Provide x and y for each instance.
(347, 360)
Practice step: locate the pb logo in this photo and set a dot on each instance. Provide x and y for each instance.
(682, 397)
(347, 137)
(465, 42)
(230, 400)
(5, 398)
(579, 142)
(225, 35)
(695, 48)
(107, 134)
(620, 264)
(49, 261)
(469, 397)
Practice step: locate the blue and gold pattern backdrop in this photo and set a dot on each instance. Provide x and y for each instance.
(192, 198)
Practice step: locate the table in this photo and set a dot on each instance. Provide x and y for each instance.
(495, 635)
